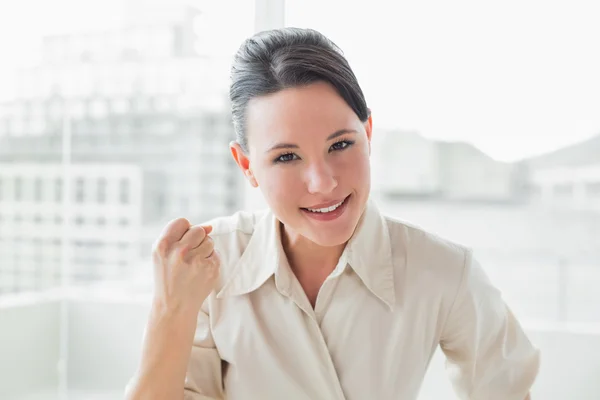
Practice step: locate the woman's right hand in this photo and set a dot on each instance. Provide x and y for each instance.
(186, 270)
(186, 267)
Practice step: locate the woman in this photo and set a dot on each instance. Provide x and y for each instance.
(321, 297)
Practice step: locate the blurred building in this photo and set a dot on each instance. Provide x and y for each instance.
(408, 165)
(143, 101)
(468, 174)
(404, 164)
(100, 219)
(568, 178)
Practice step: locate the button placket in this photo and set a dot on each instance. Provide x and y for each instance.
(324, 297)
(335, 380)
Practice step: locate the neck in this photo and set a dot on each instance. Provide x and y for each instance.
(306, 256)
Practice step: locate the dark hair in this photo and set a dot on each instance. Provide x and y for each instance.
(277, 59)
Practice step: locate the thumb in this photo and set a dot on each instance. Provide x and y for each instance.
(207, 228)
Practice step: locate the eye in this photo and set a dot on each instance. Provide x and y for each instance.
(287, 157)
(341, 145)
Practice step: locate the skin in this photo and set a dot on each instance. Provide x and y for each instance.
(186, 270)
(307, 147)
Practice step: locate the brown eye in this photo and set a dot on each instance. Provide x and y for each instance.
(286, 158)
(341, 145)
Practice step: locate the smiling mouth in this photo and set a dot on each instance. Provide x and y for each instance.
(326, 210)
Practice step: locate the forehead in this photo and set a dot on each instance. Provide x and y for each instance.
(298, 113)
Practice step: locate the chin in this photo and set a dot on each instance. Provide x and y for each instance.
(331, 240)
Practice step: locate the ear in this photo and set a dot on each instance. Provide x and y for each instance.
(369, 129)
(242, 160)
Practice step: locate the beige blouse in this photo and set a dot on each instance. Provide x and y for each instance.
(396, 294)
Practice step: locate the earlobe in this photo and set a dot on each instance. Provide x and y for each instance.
(251, 178)
(243, 162)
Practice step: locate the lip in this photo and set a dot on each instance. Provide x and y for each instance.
(329, 216)
(327, 204)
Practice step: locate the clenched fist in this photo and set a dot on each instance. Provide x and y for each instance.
(186, 267)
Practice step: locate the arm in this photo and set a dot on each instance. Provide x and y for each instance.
(179, 359)
(177, 341)
(488, 354)
(165, 355)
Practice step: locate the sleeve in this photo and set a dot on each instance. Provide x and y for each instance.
(204, 378)
(488, 355)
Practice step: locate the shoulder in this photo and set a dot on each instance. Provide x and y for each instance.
(423, 243)
(428, 256)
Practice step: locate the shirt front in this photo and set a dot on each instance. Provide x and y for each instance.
(396, 294)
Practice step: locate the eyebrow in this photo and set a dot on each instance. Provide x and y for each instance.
(295, 146)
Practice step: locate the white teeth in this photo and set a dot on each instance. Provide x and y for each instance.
(326, 209)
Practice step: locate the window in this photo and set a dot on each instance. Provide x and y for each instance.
(98, 108)
(79, 190)
(58, 190)
(18, 189)
(159, 204)
(124, 195)
(511, 79)
(121, 105)
(184, 204)
(55, 109)
(38, 189)
(563, 189)
(78, 110)
(101, 191)
(593, 189)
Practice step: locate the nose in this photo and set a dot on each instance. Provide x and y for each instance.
(320, 178)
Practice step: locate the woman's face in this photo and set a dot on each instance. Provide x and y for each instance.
(308, 152)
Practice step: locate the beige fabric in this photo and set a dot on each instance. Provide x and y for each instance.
(396, 294)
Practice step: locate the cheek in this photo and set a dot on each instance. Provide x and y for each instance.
(356, 169)
(281, 186)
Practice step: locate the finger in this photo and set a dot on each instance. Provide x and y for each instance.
(205, 250)
(172, 233)
(212, 269)
(175, 229)
(193, 237)
(211, 264)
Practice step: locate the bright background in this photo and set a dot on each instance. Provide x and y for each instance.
(114, 119)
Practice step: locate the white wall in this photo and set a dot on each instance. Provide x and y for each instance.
(104, 344)
(29, 338)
